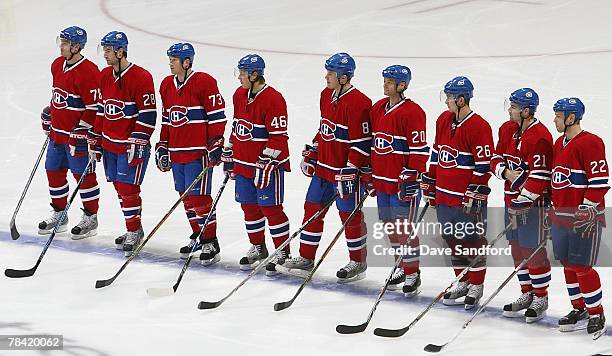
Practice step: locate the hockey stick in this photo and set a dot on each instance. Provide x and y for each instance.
(438, 348)
(164, 292)
(284, 305)
(20, 273)
(14, 232)
(353, 329)
(212, 305)
(399, 332)
(106, 282)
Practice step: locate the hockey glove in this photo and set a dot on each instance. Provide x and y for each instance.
(346, 182)
(162, 156)
(214, 151)
(309, 160)
(585, 220)
(77, 142)
(407, 185)
(138, 145)
(518, 210)
(94, 145)
(45, 117)
(264, 170)
(428, 187)
(365, 177)
(475, 199)
(227, 157)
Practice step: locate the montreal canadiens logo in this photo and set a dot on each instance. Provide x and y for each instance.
(113, 109)
(243, 130)
(561, 177)
(447, 157)
(515, 163)
(177, 115)
(60, 98)
(383, 143)
(327, 130)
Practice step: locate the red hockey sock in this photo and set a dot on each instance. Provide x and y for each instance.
(573, 288)
(278, 223)
(590, 287)
(192, 218)
(201, 206)
(539, 271)
(89, 192)
(131, 204)
(58, 188)
(355, 233)
(523, 273)
(255, 223)
(311, 235)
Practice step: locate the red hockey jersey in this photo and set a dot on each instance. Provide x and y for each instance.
(126, 107)
(344, 136)
(580, 174)
(398, 140)
(73, 97)
(260, 122)
(461, 155)
(531, 152)
(192, 113)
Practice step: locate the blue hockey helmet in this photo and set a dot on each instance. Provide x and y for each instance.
(568, 106)
(74, 35)
(341, 64)
(181, 51)
(398, 72)
(252, 63)
(525, 98)
(460, 86)
(116, 40)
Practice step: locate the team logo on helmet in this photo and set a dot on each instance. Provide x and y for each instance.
(185, 47)
(177, 115)
(529, 94)
(461, 82)
(118, 36)
(572, 101)
(344, 60)
(243, 130)
(447, 157)
(383, 143)
(561, 177)
(113, 109)
(253, 59)
(327, 130)
(60, 98)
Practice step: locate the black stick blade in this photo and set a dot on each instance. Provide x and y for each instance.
(19, 273)
(208, 305)
(282, 305)
(14, 233)
(104, 282)
(389, 332)
(434, 348)
(351, 329)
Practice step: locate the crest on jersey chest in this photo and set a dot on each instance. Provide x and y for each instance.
(243, 130)
(327, 130)
(60, 98)
(515, 163)
(561, 177)
(177, 115)
(447, 157)
(383, 143)
(113, 109)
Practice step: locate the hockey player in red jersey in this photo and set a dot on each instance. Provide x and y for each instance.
(71, 113)
(399, 155)
(339, 150)
(124, 124)
(579, 183)
(258, 157)
(191, 138)
(457, 185)
(523, 159)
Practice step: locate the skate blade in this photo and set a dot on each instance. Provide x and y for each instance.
(533, 319)
(49, 231)
(293, 272)
(514, 314)
(212, 261)
(470, 306)
(395, 287)
(119, 247)
(272, 273)
(598, 334)
(412, 294)
(451, 302)
(250, 267)
(91, 233)
(127, 253)
(356, 278)
(580, 325)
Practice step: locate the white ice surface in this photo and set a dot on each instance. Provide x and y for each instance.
(560, 48)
